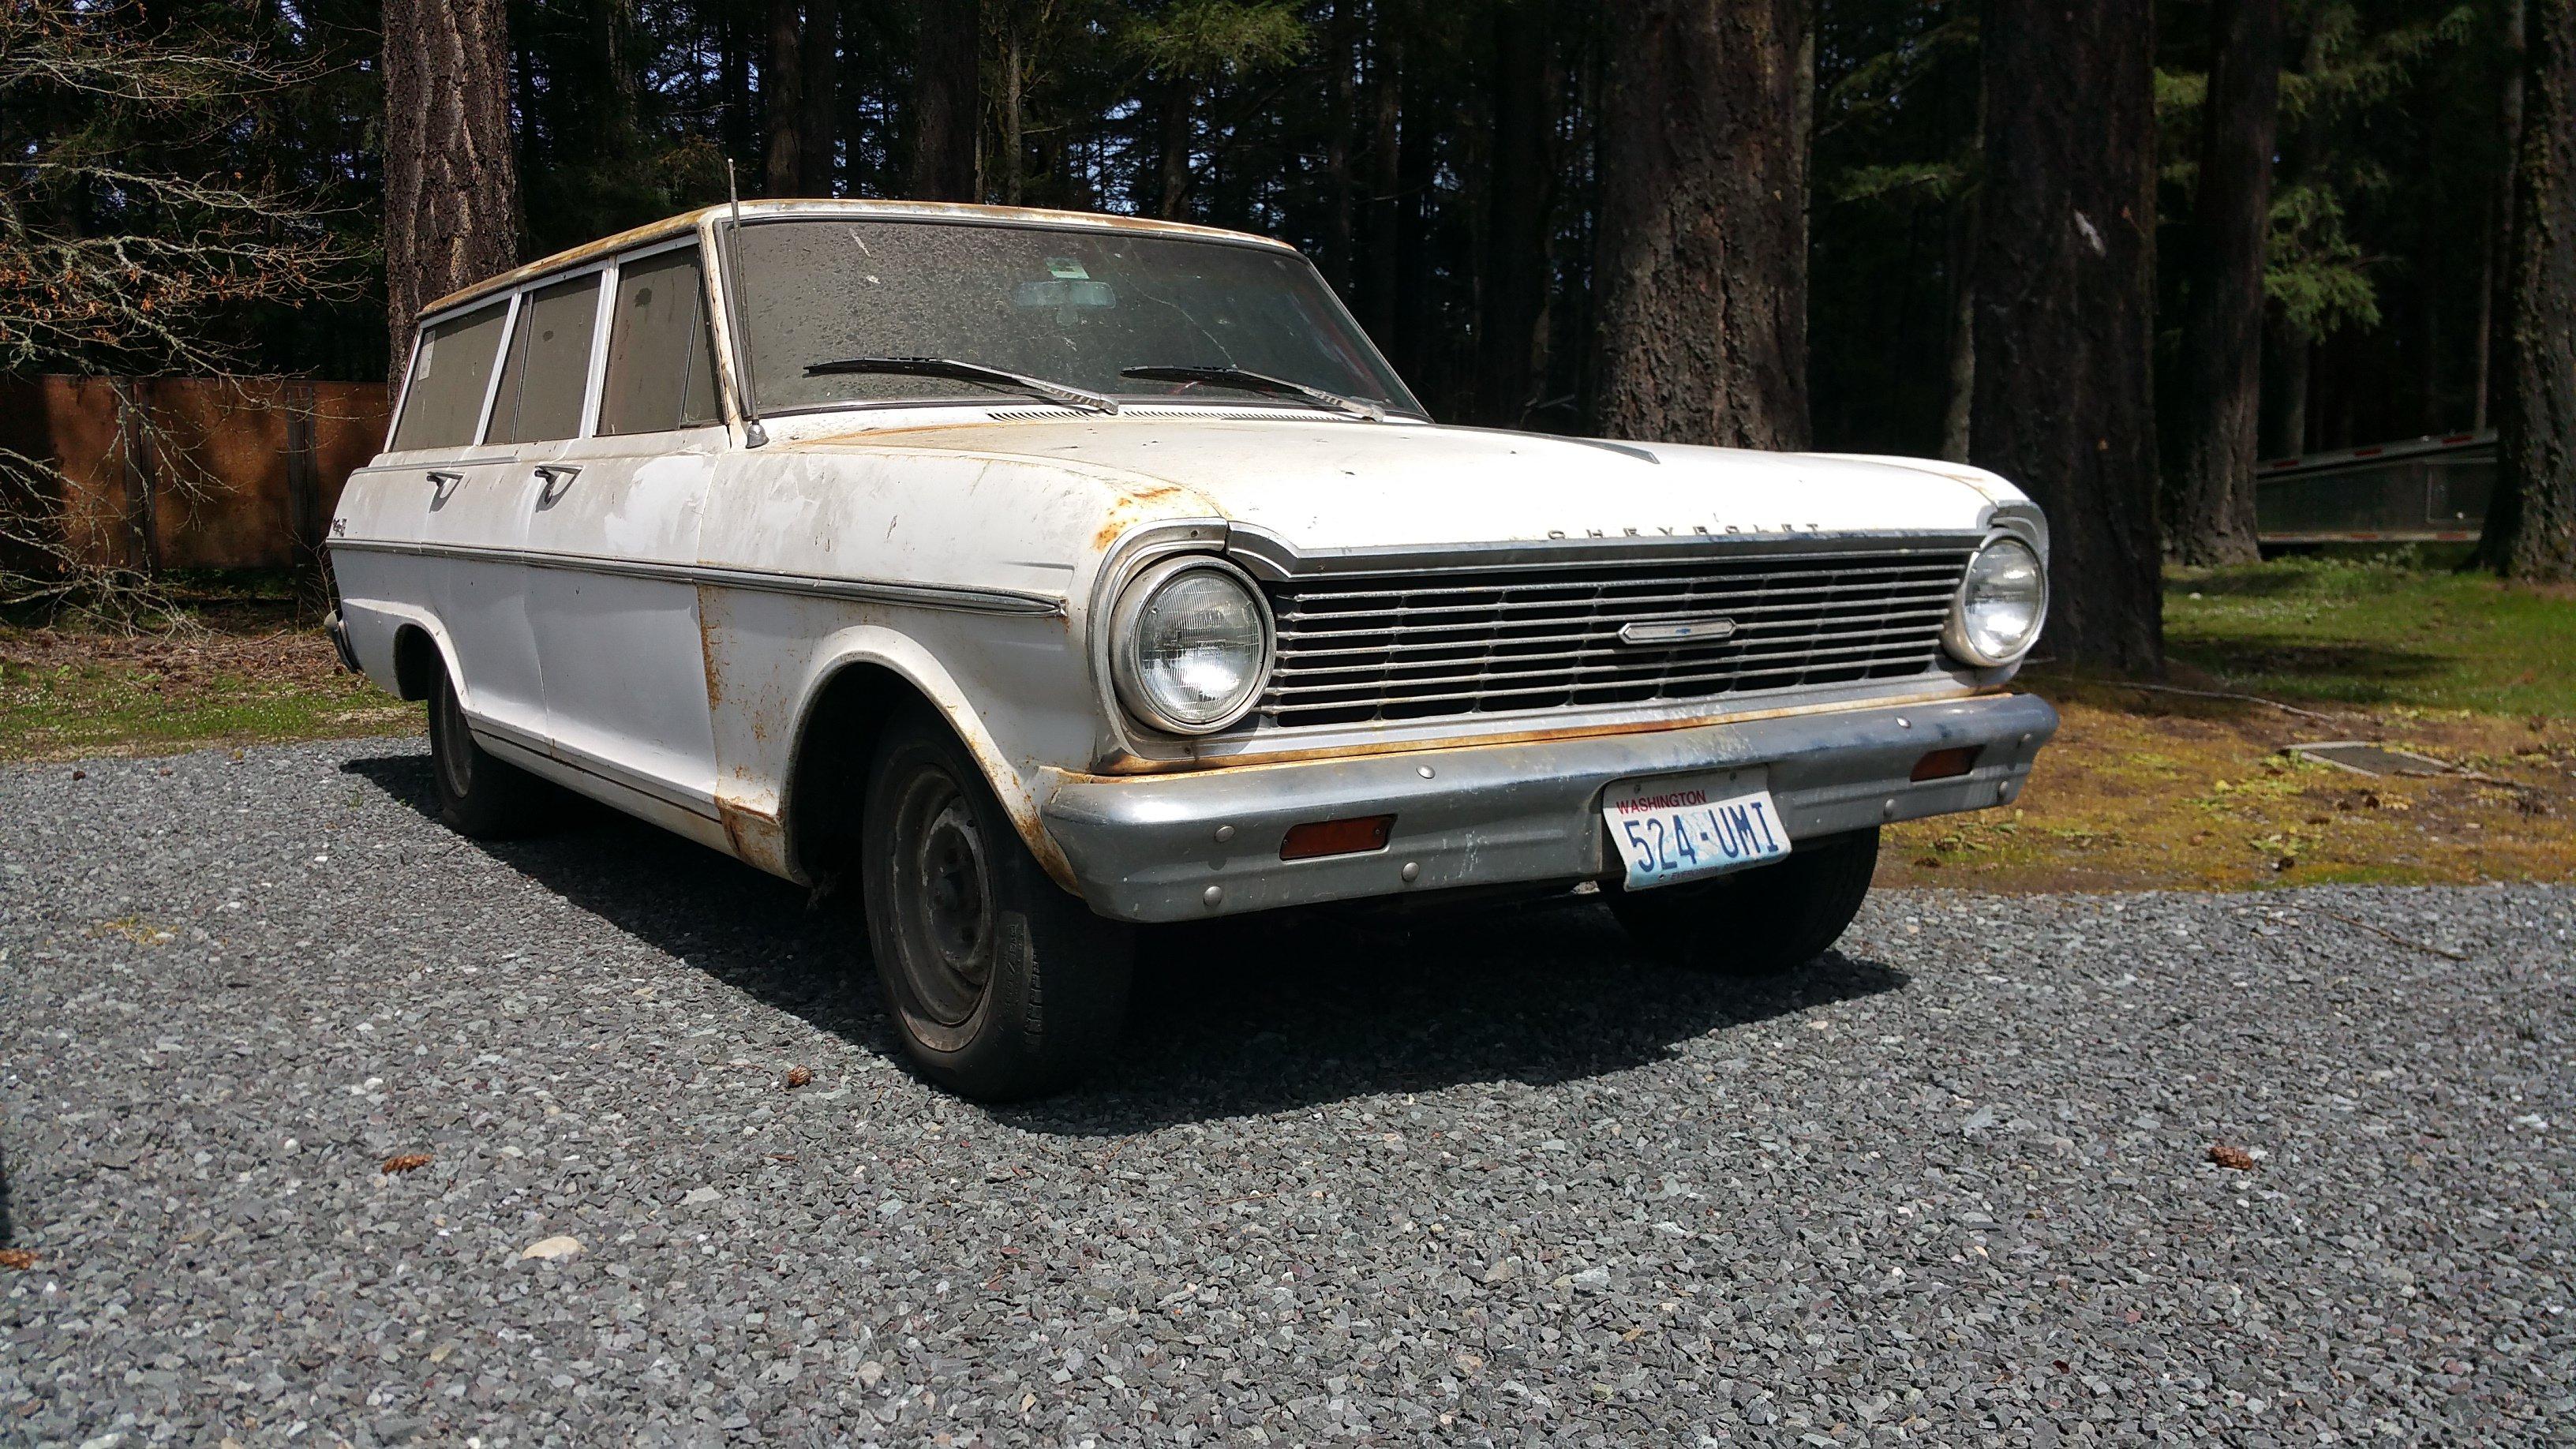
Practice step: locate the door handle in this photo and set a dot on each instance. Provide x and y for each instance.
(443, 485)
(557, 478)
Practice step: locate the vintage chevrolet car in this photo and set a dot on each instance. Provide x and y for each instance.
(1040, 575)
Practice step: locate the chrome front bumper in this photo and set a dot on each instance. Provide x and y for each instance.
(1190, 846)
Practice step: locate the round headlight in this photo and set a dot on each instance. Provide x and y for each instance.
(2000, 606)
(1190, 647)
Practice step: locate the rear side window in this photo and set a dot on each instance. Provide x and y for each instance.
(661, 360)
(547, 371)
(449, 375)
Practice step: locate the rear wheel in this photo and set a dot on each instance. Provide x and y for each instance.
(478, 794)
(1002, 985)
(1758, 922)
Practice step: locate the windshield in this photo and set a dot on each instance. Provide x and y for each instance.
(1071, 306)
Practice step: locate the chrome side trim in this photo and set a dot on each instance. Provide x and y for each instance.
(876, 591)
(598, 767)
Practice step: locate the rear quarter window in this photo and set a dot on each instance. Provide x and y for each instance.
(450, 374)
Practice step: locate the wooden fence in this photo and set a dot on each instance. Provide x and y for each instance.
(189, 472)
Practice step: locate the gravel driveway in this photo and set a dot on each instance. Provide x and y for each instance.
(1484, 1179)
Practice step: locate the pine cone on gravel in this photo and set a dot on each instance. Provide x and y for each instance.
(408, 1162)
(2229, 1155)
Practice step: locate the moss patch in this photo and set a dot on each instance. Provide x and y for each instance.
(2143, 791)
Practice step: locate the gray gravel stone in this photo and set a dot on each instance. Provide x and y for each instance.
(1480, 1179)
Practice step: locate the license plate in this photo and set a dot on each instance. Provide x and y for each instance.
(1682, 826)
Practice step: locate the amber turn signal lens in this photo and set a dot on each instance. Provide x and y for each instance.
(1946, 764)
(1336, 837)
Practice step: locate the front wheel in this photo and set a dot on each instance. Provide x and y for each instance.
(1758, 922)
(1002, 985)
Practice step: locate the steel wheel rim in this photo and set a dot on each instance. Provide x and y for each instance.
(945, 899)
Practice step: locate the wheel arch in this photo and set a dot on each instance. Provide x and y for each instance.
(421, 655)
(835, 736)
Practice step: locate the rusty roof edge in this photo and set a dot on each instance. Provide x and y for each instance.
(672, 226)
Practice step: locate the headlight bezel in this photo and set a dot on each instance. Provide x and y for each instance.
(1955, 636)
(1127, 678)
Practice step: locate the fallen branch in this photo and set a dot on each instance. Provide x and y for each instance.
(2392, 935)
(2225, 694)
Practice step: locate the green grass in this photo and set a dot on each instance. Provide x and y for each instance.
(2376, 632)
(247, 671)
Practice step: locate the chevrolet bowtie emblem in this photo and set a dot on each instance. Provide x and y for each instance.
(1677, 631)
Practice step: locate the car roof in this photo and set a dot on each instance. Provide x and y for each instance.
(688, 221)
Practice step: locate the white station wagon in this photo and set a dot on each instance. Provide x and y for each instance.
(1042, 575)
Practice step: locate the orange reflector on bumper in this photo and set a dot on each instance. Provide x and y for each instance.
(1946, 764)
(1336, 837)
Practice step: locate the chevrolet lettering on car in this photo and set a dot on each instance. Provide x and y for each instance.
(1026, 579)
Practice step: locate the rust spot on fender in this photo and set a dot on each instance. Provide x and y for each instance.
(754, 834)
(1016, 801)
(707, 662)
(1134, 505)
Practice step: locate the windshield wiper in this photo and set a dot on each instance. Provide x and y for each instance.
(1263, 382)
(950, 367)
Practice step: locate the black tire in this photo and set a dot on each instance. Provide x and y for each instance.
(1002, 986)
(479, 794)
(1758, 922)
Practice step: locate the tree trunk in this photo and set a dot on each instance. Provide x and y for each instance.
(2531, 524)
(1385, 156)
(947, 101)
(2065, 282)
(782, 100)
(818, 150)
(2222, 322)
(1519, 189)
(1962, 383)
(451, 184)
(2285, 423)
(1702, 267)
(1341, 107)
(733, 81)
(1417, 160)
(1172, 148)
(1015, 141)
(2492, 277)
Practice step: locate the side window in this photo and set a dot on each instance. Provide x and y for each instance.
(547, 369)
(449, 375)
(661, 359)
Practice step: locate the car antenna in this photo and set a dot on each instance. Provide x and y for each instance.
(753, 434)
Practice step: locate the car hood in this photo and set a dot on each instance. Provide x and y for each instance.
(1323, 484)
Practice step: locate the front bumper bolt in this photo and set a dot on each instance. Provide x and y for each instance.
(1423, 770)
(1224, 833)
(1215, 897)
(1412, 871)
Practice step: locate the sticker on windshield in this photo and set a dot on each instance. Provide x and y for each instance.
(1067, 268)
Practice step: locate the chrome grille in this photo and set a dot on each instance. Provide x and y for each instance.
(1360, 649)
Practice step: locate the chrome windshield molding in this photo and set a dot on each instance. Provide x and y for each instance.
(875, 591)
(1268, 556)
